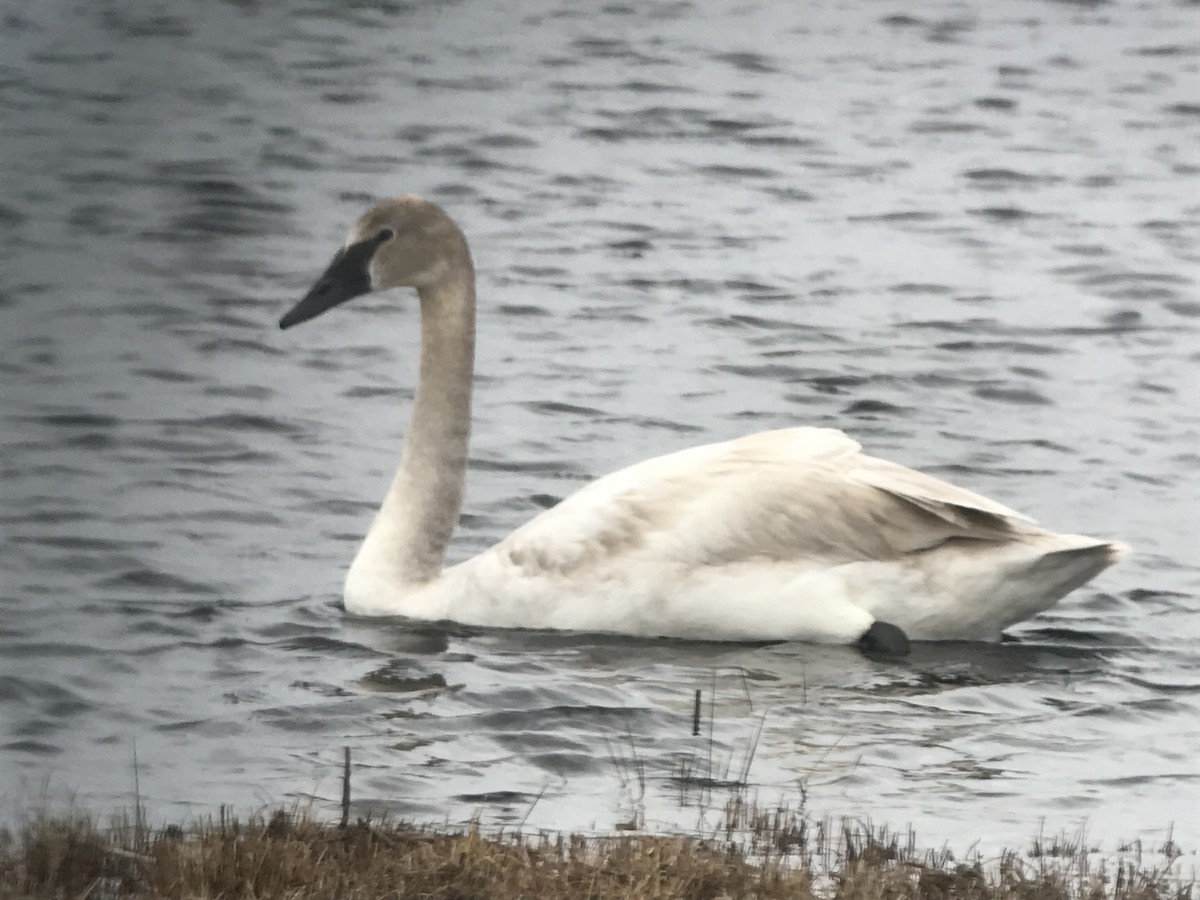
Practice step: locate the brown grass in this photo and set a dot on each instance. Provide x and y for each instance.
(292, 856)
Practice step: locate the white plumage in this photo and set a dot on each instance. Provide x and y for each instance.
(792, 534)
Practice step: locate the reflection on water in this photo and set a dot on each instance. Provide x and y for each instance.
(970, 240)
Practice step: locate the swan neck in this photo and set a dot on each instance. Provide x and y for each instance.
(421, 510)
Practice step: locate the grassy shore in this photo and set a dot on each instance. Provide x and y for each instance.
(780, 856)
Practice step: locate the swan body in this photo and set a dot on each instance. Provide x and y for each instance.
(792, 534)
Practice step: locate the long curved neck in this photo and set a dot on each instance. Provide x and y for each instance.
(407, 542)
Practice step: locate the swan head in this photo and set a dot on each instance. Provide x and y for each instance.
(402, 242)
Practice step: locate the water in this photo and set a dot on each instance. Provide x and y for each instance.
(966, 235)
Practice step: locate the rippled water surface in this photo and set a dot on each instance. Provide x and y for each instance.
(965, 233)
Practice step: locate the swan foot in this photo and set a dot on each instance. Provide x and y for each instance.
(884, 639)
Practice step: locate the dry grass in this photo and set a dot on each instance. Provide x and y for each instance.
(780, 855)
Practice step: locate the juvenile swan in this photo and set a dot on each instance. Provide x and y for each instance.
(792, 534)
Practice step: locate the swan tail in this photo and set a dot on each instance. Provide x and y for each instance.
(979, 588)
(1061, 571)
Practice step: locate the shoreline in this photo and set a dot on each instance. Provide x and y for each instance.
(758, 853)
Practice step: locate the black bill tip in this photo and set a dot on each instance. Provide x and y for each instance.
(323, 296)
(346, 278)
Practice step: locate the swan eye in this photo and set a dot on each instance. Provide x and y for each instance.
(385, 234)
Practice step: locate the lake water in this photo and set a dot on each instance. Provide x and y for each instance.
(967, 234)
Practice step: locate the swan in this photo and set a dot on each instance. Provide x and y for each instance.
(792, 534)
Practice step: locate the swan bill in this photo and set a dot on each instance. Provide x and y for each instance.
(346, 278)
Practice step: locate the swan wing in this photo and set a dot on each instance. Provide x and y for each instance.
(792, 495)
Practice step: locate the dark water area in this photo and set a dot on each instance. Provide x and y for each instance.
(968, 235)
